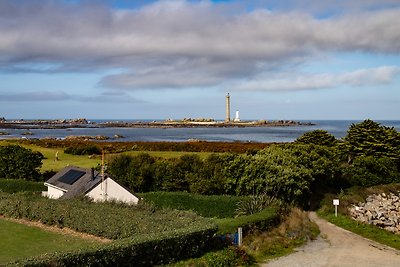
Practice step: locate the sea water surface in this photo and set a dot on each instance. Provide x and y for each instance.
(229, 134)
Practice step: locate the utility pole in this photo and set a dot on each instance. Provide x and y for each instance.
(103, 186)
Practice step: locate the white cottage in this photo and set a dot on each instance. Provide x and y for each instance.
(73, 181)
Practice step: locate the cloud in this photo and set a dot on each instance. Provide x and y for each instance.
(59, 96)
(303, 81)
(179, 44)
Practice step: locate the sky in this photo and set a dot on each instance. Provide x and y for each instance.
(175, 59)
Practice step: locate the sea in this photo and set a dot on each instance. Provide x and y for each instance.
(338, 128)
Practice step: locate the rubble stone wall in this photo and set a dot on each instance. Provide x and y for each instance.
(382, 210)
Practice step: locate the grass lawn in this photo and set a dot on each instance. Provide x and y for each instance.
(19, 241)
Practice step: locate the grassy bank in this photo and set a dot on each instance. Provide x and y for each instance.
(295, 229)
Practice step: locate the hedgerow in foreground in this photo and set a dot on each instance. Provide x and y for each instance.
(110, 220)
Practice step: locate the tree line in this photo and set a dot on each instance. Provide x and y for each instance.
(295, 172)
(368, 155)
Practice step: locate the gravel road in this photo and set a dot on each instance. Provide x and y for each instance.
(339, 247)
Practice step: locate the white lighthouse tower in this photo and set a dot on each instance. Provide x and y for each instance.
(237, 118)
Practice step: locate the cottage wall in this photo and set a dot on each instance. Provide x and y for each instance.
(113, 191)
(54, 193)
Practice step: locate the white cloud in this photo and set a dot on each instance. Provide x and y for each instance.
(59, 96)
(179, 44)
(315, 81)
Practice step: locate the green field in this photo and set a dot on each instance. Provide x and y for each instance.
(49, 163)
(21, 241)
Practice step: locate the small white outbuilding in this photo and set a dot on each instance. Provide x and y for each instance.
(74, 181)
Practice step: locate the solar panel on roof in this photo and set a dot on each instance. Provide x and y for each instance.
(71, 176)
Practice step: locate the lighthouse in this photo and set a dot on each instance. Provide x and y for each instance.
(228, 109)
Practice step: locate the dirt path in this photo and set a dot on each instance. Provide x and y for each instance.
(339, 248)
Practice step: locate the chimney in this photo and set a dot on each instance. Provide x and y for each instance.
(92, 174)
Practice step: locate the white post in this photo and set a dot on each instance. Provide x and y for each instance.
(336, 204)
(240, 236)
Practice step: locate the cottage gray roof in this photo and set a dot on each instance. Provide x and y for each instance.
(75, 181)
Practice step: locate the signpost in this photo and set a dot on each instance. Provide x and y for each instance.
(336, 203)
(240, 236)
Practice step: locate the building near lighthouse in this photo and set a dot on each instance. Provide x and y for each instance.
(237, 118)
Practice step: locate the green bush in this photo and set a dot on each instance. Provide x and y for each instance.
(207, 206)
(263, 220)
(227, 257)
(110, 220)
(83, 150)
(17, 162)
(255, 204)
(368, 171)
(14, 186)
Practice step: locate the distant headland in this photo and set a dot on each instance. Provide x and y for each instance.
(169, 123)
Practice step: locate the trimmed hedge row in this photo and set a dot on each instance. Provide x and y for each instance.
(263, 220)
(110, 220)
(17, 185)
(145, 250)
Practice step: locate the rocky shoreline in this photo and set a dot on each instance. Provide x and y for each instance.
(84, 123)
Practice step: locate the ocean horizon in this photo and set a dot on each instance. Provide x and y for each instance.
(338, 128)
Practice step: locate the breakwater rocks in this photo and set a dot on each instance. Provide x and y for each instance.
(382, 210)
(43, 124)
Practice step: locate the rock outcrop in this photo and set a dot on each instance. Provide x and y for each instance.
(381, 210)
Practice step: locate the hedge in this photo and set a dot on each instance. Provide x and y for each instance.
(109, 220)
(145, 250)
(17, 185)
(221, 206)
(263, 220)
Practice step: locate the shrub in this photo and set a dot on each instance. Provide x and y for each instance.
(255, 204)
(367, 171)
(206, 206)
(230, 256)
(17, 162)
(83, 150)
(263, 220)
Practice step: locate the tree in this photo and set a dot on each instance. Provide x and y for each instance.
(317, 137)
(369, 138)
(17, 162)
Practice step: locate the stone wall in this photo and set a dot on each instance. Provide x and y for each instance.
(382, 210)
